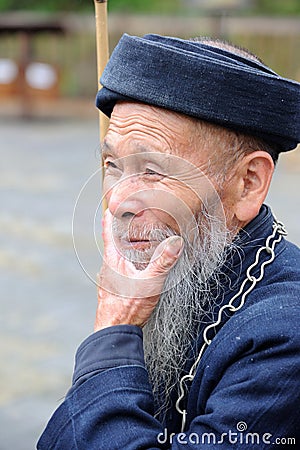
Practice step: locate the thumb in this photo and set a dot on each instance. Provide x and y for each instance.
(166, 255)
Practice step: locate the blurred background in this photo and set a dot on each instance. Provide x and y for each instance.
(49, 148)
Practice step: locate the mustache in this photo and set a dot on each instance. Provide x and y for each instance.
(141, 232)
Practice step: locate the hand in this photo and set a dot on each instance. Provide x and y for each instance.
(127, 295)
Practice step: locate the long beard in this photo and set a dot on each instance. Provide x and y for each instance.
(185, 302)
(173, 328)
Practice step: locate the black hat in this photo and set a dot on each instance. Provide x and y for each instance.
(205, 82)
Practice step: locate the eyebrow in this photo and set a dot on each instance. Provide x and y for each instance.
(107, 149)
(143, 148)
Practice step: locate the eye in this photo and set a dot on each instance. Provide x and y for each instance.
(110, 165)
(152, 172)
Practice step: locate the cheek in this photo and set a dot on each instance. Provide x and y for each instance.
(117, 189)
(107, 186)
(175, 205)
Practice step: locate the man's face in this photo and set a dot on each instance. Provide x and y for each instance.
(155, 175)
(156, 185)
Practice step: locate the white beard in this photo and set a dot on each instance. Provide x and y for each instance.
(171, 331)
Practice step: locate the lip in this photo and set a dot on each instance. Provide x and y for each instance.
(139, 243)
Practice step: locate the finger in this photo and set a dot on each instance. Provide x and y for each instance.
(165, 256)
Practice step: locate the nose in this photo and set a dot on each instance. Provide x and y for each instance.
(125, 198)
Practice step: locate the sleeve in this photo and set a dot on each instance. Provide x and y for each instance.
(110, 403)
(245, 394)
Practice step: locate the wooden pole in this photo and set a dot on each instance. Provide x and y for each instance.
(102, 57)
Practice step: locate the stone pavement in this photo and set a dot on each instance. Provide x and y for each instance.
(47, 301)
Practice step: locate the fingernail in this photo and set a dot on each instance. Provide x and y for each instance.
(175, 245)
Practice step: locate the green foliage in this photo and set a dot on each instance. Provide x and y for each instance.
(277, 7)
(46, 5)
(271, 7)
(140, 6)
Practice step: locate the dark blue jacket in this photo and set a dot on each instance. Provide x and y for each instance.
(245, 394)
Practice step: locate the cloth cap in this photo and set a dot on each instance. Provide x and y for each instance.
(205, 82)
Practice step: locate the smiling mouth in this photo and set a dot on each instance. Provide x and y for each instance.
(141, 243)
(143, 239)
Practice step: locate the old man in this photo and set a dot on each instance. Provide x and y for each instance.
(196, 341)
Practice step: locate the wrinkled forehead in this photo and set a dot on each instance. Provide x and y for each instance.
(137, 128)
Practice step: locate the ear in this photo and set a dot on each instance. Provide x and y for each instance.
(250, 184)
